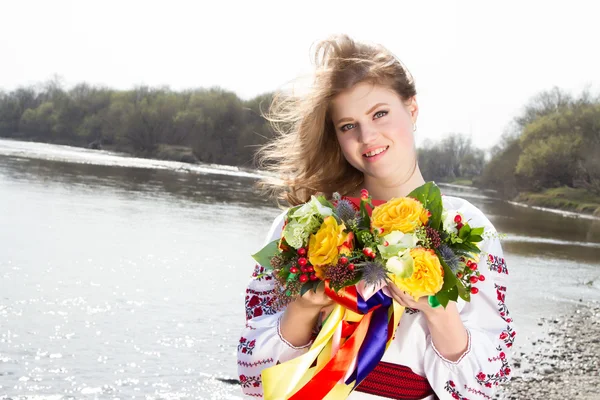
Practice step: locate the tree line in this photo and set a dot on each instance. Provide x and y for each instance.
(553, 142)
(214, 123)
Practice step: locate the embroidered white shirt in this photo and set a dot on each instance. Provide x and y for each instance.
(482, 367)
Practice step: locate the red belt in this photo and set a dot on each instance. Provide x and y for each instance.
(395, 382)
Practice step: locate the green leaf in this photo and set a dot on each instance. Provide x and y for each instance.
(463, 292)
(453, 293)
(321, 283)
(325, 202)
(475, 238)
(477, 231)
(264, 255)
(430, 195)
(450, 279)
(465, 231)
(310, 285)
(471, 248)
(364, 215)
(455, 239)
(442, 298)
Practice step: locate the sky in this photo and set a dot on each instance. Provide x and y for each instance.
(476, 63)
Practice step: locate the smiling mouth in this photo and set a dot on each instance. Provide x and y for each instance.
(376, 152)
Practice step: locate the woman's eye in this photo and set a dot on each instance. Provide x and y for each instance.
(380, 114)
(346, 127)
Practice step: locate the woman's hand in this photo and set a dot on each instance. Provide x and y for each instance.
(302, 315)
(445, 325)
(407, 300)
(314, 300)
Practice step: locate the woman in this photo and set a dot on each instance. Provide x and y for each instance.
(354, 130)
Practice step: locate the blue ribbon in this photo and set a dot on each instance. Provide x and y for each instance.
(373, 347)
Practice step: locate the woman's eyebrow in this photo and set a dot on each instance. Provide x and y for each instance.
(367, 113)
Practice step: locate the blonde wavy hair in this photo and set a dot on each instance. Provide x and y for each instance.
(304, 157)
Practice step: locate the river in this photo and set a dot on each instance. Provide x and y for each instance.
(124, 278)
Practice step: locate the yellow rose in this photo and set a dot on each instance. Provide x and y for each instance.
(428, 274)
(402, 214)
(323, 245)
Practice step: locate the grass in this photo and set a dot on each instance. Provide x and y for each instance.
(175, 153)
(463, 182)
(564, 198)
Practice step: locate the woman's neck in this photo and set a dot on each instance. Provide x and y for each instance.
(386, 190)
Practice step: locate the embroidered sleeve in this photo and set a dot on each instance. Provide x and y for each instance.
(485, 364)
(261, 344)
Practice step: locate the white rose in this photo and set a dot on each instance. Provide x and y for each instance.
(448, 221)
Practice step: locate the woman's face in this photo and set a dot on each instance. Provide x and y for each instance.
(375, 130)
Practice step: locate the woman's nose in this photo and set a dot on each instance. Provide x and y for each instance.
(368, 133)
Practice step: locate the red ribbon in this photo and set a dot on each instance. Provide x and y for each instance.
(338, 366)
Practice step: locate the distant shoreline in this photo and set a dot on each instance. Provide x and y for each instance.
(181, 154)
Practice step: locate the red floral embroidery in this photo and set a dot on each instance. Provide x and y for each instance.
(499, 377)
(261, 274)
(250, 381)
(497, 264)
(479, 392)
(508, 335)
(246, 346)
(259, 303)
(451, 388)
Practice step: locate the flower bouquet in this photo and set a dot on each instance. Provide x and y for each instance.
(353, 249)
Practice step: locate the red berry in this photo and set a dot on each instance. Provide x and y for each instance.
(351, 267)
(303, 278)
(458, 219)
(459, 226)
(474, 290)
(462, 259)
(302, 261)
(301, 251)
(459, 275)
(343, 260)
(313, 277)
(474, 279)
(310, 269)
(481, 278)
(304, 269)
(386, 244)
(294, 270)
(367, 251)
(473, 266)
(469, 262)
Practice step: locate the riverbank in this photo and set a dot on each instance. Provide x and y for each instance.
(577, 201)
(564, 364)
(563, 198)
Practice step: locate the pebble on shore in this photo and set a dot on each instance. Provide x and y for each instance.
(565, 364)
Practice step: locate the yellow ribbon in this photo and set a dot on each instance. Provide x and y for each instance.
(281, 381)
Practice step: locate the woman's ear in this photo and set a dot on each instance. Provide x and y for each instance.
(413, 109)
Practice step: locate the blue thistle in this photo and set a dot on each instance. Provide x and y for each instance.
(373, 273)
(449, 257)
(345, 210)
